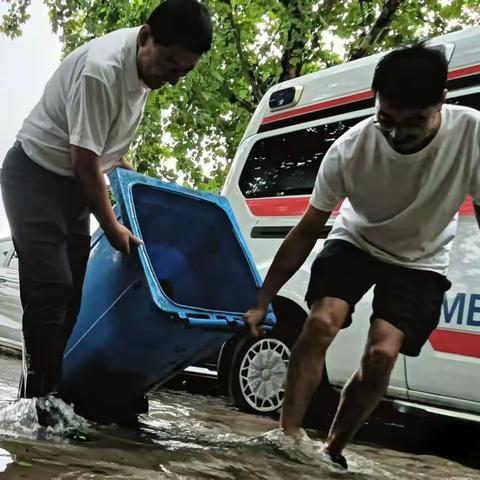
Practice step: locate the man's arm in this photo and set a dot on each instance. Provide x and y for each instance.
(290, 257)
(86, 168)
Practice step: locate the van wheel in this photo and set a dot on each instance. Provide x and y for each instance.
(258, 373)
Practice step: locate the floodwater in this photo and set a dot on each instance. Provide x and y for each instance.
(185, 436)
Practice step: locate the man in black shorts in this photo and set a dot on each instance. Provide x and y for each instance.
(403, 174)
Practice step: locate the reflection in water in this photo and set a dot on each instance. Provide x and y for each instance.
(185, 436)
(5, 459)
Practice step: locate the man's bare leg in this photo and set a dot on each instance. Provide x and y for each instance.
(367, 386)
(307, 360)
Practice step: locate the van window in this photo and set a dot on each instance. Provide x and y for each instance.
(472, 100)
(287, 164)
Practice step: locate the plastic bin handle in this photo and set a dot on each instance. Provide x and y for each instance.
(231, 323)
(224, 323)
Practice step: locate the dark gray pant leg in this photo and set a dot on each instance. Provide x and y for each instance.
(49, 222)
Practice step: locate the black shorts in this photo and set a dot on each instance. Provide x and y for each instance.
(407, 298)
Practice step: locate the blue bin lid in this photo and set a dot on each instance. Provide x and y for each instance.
(124, 183)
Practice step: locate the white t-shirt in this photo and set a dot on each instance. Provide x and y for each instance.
(94, 100)
(402, 209)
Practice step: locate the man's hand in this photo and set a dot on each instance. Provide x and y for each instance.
(122, 239)
(290, 257)
(254, 318)
(124, 163)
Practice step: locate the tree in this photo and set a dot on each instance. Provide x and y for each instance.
(193, 129)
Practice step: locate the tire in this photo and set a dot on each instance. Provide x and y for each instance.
(257, 376)
(225, 360)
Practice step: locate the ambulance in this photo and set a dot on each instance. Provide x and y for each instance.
(269, 184)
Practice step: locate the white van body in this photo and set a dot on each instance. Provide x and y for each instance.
(269, 186)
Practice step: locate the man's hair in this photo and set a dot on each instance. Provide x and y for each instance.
(412, 77)
(185, 23)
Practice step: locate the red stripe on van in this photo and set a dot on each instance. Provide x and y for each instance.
(318, 106)
(466, 210)
(296, 206)
(458, 343)
(356, 97)
(464, 72)
(278, 206)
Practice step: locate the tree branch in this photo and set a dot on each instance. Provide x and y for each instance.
(378, 30)
(15, 18)
(234, 99)
(323, 13)
(297, 40)
(295, 43)
(246, 69)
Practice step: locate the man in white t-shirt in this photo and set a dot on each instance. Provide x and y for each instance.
(54, 175)
(403, 174)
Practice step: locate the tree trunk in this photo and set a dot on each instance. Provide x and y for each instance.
(296, 40)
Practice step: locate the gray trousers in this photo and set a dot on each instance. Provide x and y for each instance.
(49, 221)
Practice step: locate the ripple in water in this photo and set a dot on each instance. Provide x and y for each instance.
(261, 456)
(190, 437)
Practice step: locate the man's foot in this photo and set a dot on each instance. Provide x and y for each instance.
(44, 413)
(299, 435)
(337, 459)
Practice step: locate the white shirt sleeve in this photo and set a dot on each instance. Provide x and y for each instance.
(475, 178)
(90, 113)
(329, 188)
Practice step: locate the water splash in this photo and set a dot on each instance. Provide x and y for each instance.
(215, 438)
(300, 449)
(20, 419)
(194, 434)
(310, 453)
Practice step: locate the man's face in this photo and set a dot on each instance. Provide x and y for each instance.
(158, 65)
(407, 130)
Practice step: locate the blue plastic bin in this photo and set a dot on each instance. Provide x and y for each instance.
(146, 317)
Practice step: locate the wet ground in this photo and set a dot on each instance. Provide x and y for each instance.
(191, 435)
